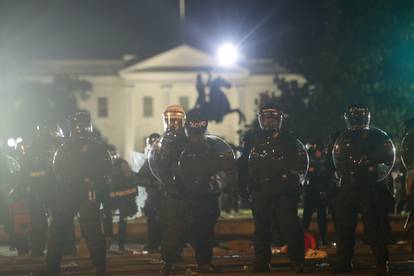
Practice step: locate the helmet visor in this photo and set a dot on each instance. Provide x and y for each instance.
(357, 118)
(270, 119)
(173, 121)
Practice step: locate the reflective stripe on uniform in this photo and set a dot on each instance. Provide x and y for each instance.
(124, 192)
(37, 173)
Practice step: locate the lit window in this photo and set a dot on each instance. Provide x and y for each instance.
(148, 106)
(184, 101)
(102, 107)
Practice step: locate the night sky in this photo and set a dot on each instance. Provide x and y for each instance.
(110, 29)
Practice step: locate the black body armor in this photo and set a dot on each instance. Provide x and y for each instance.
(206, 166)
(163, 158)
(367, 152)
(277, 159)
(81, 159)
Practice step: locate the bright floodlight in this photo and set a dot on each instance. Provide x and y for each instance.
(228, 54)
(11, 142)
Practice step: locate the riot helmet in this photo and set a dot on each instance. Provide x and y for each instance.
(357, 117)
(80, 123)
(113, 152)
(195, 125)
(270, 117)
(152, 138)
(174, 118)
(49, 130)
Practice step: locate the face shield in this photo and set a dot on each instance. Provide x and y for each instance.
(270, 119)
(357, 118)
(174, 119)
(113, 152)
(80, 123)
(52, 131)
(151, 139)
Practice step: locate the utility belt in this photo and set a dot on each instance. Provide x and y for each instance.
(283, 184)
(282, 179)
(92, 189)
(359, 182)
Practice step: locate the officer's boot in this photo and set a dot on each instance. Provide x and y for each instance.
(100, 271)
(342, 268)
(206, 268)
(261, 267)
(297, 267)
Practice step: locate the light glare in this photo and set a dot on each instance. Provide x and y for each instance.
(11, 142)
(228, 54)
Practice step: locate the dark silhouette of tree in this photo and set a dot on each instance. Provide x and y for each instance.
(28, 103)
(353, 52)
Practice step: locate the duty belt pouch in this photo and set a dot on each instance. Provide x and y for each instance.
(92, 195)
(91, 190)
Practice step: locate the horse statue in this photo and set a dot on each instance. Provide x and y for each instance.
(212, 103)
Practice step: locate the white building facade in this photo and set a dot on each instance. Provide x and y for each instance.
(128, 96)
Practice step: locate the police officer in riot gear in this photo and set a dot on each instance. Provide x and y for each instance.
(271, 169)
(152, 207)
(38, 177)
(123, 194)
(10, 170)
(315, 189)
(407, 158)
(163, 162)
(19, 229)
(206, 165)
(4, 179)
(363, 156)
(83, 166)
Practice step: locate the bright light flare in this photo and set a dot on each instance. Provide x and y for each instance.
(11, 142)
(228, 54)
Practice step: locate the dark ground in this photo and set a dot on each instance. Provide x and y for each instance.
(234, 233)
(231, 262)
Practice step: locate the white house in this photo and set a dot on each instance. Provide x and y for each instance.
(129, 95)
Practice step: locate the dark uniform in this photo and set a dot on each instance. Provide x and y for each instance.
(37, 177)
(206, 166)
(163, 161)
(152, 207)
(331, 177)
(315, 191)
(9, 173)
(123, 196)
(363, 157)
(19, 220)
(83, 166)
(272, 166)
(4, 184)
(385, 198)
(407, 158)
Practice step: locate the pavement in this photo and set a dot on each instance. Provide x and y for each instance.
(234, 260)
